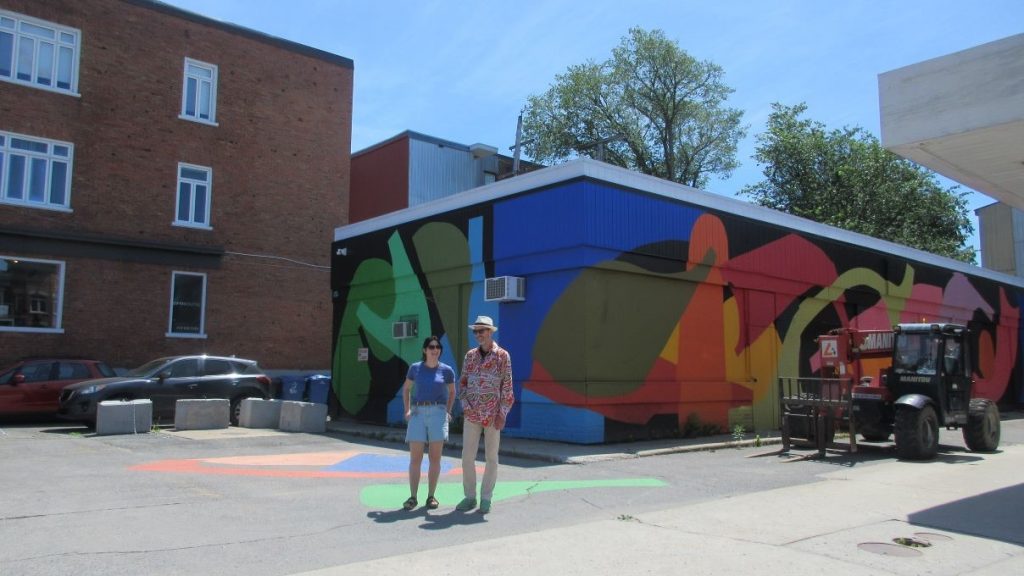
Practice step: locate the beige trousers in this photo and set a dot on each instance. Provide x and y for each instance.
(470, 444)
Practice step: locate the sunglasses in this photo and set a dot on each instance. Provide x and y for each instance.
(433, 347)
(480, 330)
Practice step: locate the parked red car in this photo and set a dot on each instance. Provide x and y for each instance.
(33, 385)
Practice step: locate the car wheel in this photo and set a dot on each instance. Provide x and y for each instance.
(236, 408)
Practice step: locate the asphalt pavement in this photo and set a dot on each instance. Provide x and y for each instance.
(264, 502)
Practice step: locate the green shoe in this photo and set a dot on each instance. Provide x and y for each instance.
(466, 505)
(485, 506)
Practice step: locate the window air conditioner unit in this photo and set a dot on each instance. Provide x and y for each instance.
(402, 330)
(505, 289)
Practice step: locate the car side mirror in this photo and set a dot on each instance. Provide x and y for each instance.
(164, 375)
(18, 379)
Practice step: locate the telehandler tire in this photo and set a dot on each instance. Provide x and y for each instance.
(981, 434)
(917, 433)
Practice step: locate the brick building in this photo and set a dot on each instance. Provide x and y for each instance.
(169, 184)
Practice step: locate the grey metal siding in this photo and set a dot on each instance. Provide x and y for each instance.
(438, 170)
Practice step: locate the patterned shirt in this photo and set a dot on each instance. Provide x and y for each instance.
(485, 388)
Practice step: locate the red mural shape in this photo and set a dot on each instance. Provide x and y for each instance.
(787, 267)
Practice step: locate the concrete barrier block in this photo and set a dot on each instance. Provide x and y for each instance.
(202, 414)
(260, 413)
(119, 417)
(303, 417)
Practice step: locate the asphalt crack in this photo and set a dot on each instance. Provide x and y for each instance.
(279, 538)
(90, 511)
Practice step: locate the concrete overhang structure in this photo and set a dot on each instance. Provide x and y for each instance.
(962, 115)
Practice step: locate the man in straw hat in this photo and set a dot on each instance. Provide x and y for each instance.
(485, 390)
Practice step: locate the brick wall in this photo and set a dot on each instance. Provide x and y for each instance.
(280, 160)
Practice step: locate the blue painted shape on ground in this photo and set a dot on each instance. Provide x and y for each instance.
(382, 463)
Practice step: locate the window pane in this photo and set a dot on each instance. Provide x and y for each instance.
(193, 174)
(58, 183)
(25, 48)
(6, 23)
(190, 97)
(217, 367)
(22, 144)
(38, 30)
(58, 150)
(204, 100)
(64, 60)
(187, 303)
(188, 368)
(44, 74)
(37, 372)
(184, 200)
(73, 371)
(37, 180)
(68, 38)
(16, 178)
(6, 53)
(199, 216)
(199, 72)
(31, 293)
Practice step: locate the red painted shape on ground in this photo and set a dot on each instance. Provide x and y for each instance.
(199, 466)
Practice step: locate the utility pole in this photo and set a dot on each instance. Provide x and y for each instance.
(518, 145)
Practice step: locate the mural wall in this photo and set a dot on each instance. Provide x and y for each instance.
(644, 315)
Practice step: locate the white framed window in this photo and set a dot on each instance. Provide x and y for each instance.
(31, 294)
(195, 186)
(188, 305)
(35, 172)
(38, 53)
(199, 92)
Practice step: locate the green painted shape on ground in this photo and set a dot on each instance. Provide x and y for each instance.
(391, 496)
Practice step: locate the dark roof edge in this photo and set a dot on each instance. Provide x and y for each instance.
(413, 135)
(243, 31)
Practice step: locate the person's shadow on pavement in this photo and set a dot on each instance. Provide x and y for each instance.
(391, 516)
(453, 518)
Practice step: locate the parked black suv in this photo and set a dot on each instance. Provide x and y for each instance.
(165, 381)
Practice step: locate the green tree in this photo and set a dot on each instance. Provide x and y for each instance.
(846, 179)
(651, 107)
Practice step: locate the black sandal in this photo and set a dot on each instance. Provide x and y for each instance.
(432, 503)
(410, 503)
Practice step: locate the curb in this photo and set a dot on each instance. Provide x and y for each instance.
(518, 452)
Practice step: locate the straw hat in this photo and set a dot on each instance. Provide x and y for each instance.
(483, 322)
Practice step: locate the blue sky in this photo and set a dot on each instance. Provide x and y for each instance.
(462, 70)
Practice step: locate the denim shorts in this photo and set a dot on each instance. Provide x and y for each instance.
(428, 424)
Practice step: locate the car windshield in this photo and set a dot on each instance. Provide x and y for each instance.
(916, 353)
(149, 369)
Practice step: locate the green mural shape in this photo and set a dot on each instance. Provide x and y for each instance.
(894, 296)
(443, 252)
(391, 496)
(628, 313)
(381, 293)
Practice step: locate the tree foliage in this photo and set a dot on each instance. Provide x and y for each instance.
(651, 107)
(846, 179)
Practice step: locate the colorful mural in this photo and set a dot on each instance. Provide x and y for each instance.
(645, 315)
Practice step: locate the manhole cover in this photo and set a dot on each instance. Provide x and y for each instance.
(886, 549)
(932, 537)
